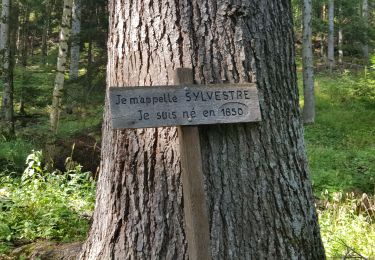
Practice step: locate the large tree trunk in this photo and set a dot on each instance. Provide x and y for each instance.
(258, 191)
(61, 65)
(331, 48)
(308, 65)
(76, 30)
(5, 51)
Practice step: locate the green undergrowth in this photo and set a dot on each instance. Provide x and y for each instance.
(341, 143)
(81, 112)
(44, 205)
(347, 225)
(341, 153)
(13, 153)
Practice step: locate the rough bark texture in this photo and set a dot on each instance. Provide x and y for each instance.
(76, 30)
(61, 65)
(7, 97)
(331, 48)
(259, 195)
(308, 65)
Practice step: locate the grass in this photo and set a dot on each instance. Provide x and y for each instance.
(341, 152)
(341, 143)
(347, 225)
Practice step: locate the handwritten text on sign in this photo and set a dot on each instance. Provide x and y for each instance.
(139, 107)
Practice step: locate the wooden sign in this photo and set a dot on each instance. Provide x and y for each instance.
(140, 107)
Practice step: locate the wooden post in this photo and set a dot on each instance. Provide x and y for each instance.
(195, 209)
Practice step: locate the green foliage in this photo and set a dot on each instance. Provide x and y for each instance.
(341, 142)
(340, 148)
(13, 153)
(45, 205)
(347, 225)
(33, 85)
(347, 88)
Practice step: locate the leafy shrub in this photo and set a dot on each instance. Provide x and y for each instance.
(45, 205)
(13, 153)
(347, 87)
(347, 225)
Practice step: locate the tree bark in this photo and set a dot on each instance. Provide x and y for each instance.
(308, 65)
(61, 65)
(258, 192)
(365, 13)
(331, 54)
(7, 98)
(76, 30)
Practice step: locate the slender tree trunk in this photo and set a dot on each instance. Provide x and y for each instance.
(13, 34)
(340, 41)
(365, 13)
(25, 34)
(7, 100)
(76, 30)
(45, 33)
(89, 65)
(323, 55)
(331, 55)
(340, 36)
(322, 50)
(259, 196)
(308, 65)
(2, 37)
(32, 41)
(24, 57)
(61, 65)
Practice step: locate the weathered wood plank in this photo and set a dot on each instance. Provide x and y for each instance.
(186, 104)
(195, 209)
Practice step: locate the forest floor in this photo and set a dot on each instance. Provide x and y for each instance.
(341, 153)
(340, 146)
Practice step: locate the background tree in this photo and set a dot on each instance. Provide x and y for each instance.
(61, 65)
(319, 27)
(258, 192)
(308, 64)
(331, 35)
(76, 30)
(46, 14)
(340, 35)
(24, 44)
(94, 22)
(365, 21)
(7, 99)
